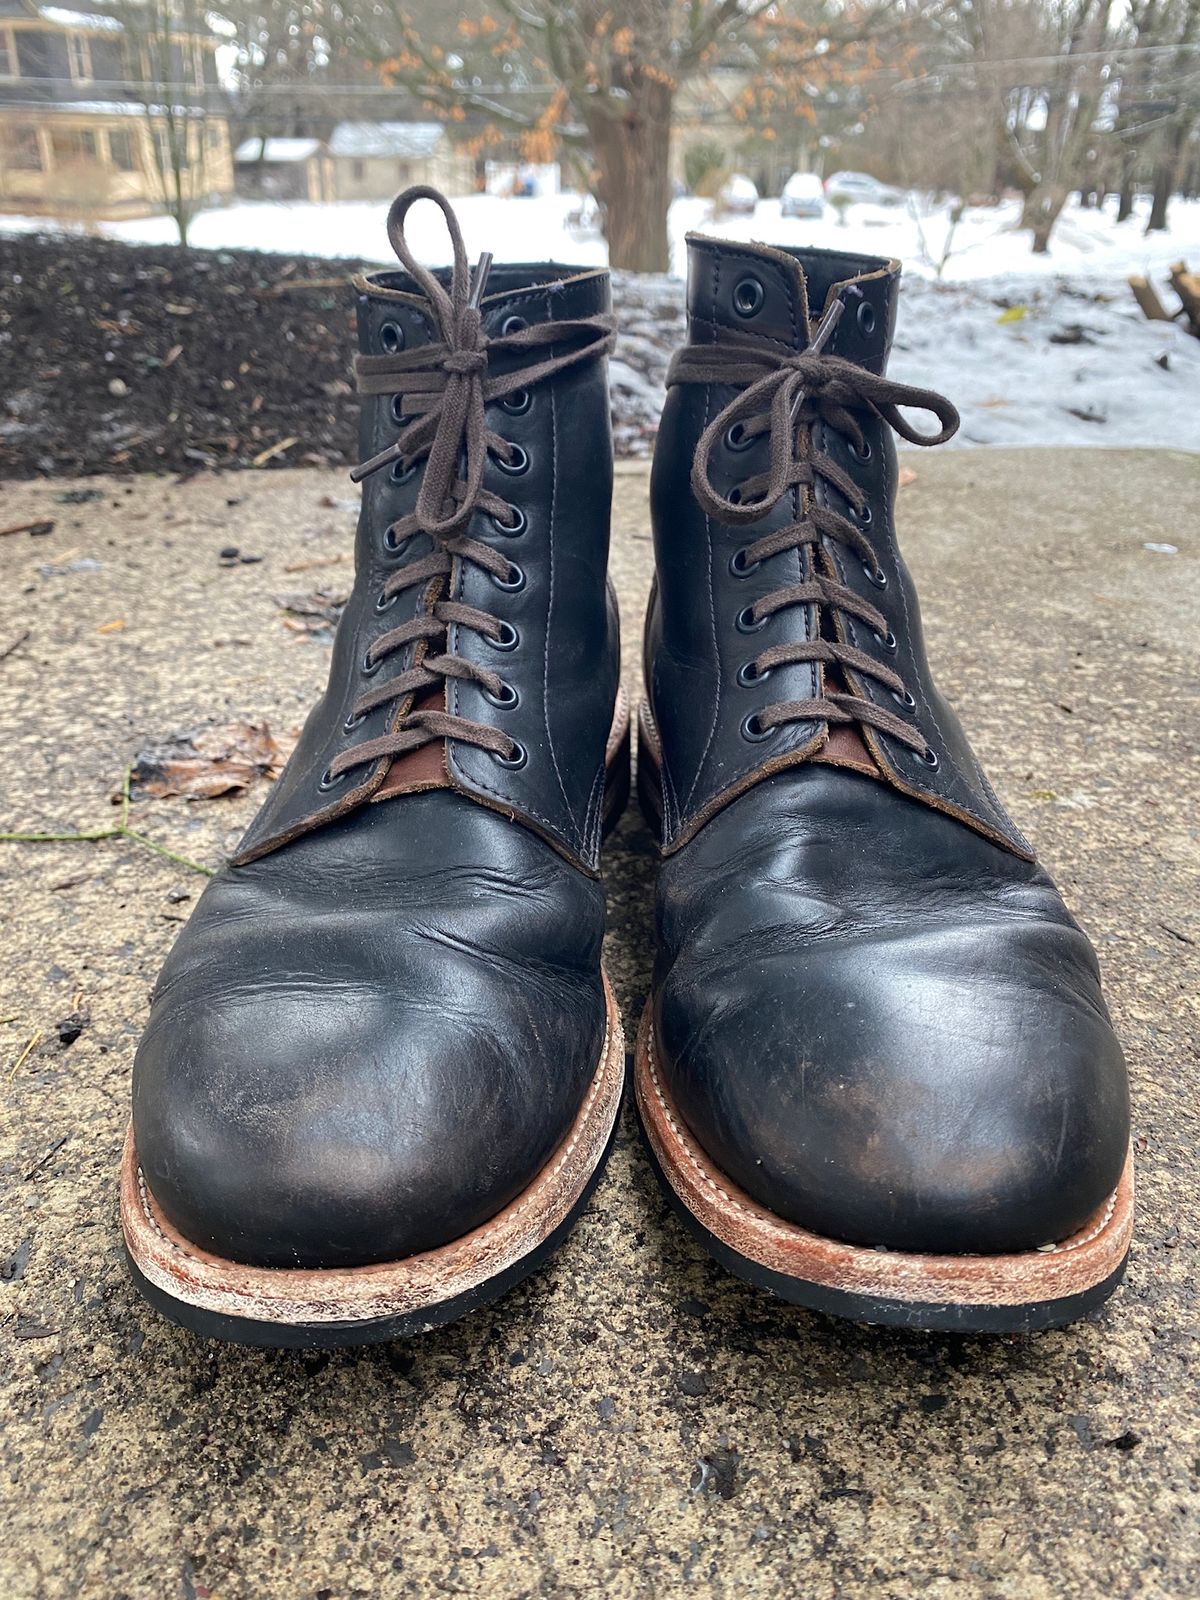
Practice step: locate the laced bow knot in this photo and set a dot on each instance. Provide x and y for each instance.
(780, 395)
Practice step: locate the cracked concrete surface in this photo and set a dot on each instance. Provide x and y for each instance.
(631, 1421)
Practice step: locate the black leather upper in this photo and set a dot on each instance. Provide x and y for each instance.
(872, 1009)
(379, 1024)
(694, 647)
(565, 667)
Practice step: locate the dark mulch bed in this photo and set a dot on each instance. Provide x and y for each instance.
(123, 358)
(116, 358)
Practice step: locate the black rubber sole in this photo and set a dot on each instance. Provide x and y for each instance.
(915, 1315)
(381, 1330)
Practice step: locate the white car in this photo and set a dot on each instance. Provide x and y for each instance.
(739, 195)
(861, 187)
(803, 196)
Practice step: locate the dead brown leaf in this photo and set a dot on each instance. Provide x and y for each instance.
(202, 763)
(316, 612)
(905, 476)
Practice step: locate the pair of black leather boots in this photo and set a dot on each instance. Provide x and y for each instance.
(383, 1065)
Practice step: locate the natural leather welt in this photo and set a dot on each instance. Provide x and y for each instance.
(370, 1041)
(884, 1027)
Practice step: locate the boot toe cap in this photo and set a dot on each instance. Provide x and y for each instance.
(341, 1077)
(938, 1093)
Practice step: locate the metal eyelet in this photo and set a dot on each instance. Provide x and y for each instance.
(385, 601)
(326, 782)
(401, 473)
(512, 324)
(905, 701)
(517, 464)
(515, 528)
(391, 337)
(514, 762)
(930, 759)
(515, 581)
(505, 700)
(507, 639)
(369, 668)
(736, 437)
(740, 567)
(397, 410)
(517, 403)
(748, 674)
(865, 517)
(866, 316)
(863, 454)
(745, 621)
(354, 720)
(748, 297)
(753, 730)
(734, 496)
(887, 641)
(877, 576)
(394, 546)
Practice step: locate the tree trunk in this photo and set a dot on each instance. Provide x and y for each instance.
(1125, 203)
(633, 177)
(1165, 168)
(1042, 208)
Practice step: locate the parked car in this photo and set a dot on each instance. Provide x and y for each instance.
(861, 187)
(738, 195)
(803, 196)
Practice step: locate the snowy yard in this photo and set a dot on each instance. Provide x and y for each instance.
(1033, 349)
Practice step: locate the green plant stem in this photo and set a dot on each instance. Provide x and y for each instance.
(121, 831)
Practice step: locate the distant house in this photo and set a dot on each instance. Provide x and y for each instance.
(371, 160)
(283, 169)
(80, 130)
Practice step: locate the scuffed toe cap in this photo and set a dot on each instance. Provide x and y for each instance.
(896, 1094)
(337, 1076)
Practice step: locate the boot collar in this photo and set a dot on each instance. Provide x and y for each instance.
(755, 291)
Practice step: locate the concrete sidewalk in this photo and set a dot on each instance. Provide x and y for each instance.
(632, 1421)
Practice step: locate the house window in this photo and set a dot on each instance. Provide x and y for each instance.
(171, 153)
(8, 55)
(213, 135)
(358, 170)
(120, 150)
(79, 57)
(72, 145)
(21, 149)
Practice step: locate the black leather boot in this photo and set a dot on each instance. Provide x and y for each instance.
(383, 1064)
(876, 1071)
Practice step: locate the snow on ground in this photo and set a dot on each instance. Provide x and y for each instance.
(1033, 349)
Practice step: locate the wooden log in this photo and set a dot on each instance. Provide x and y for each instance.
(1187, 286)
(1146, 296)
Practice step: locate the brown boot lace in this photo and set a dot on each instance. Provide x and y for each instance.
(781, 395)
(440, 392)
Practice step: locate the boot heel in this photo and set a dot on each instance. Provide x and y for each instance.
(649, 770)
(618, 764)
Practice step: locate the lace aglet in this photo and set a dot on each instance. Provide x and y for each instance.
(479, 279)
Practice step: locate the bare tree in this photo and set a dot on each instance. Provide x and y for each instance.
(1069, 98)
(169, 77)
